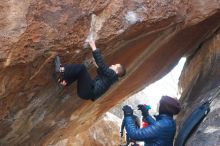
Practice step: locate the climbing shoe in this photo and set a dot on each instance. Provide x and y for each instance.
(57, 64)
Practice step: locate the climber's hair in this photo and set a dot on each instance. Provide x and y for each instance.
(121, 71)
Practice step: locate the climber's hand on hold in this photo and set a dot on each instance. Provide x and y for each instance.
(92, 44)
(62, 82)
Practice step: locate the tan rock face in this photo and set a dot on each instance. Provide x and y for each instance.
(148, 37)
(105, 132)
(200, 81)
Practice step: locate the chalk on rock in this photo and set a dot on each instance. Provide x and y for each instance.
(92, 32)
(85, 45)
(89, 37)
(131, 17)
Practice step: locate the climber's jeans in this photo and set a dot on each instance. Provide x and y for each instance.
(79, 73)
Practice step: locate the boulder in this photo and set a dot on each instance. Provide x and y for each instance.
(147, 36)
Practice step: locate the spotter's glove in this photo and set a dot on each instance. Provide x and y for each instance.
(128, 111)
(144, 110)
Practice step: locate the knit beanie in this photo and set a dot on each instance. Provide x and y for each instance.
(169, 105)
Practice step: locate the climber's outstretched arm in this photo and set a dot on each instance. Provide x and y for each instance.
(99, 60)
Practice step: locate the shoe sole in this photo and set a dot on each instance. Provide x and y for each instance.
(57, 64)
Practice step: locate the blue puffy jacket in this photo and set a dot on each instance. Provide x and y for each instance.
(160, 132)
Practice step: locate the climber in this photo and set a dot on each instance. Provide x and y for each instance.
(161, 131)
(128, 139)
(88, 88)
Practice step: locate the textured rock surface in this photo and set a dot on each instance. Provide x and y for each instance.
(200, 81)
(148, 37)
(105, 132)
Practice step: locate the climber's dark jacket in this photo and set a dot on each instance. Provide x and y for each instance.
(105, 76)
(94, 87)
